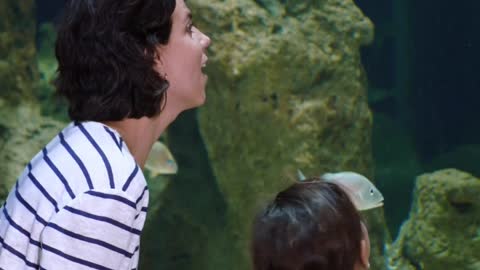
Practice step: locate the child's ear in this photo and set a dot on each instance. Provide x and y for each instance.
(365, 254)
(365, 248)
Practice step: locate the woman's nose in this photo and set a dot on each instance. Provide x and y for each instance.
(205, 41)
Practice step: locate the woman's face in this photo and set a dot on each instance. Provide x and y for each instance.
(182, 60)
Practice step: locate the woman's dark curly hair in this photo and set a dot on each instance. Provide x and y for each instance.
(106, 50)
(311, 225)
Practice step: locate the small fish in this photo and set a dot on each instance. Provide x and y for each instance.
(160, 160)
(361, 191)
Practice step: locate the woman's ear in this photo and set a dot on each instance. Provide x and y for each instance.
(159, 64)
(365, 248)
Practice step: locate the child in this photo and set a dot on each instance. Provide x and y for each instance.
(312, 225)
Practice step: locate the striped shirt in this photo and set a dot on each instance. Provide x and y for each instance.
(80, 203)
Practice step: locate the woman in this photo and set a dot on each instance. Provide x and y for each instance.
(127, 69)
(312, 225)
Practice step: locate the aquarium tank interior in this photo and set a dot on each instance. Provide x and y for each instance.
(388, 89)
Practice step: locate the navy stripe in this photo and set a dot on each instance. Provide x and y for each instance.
(130, 178)
(77, 159)
(141, 196)
(114, 138)
(18, 254)
(99, 150)
(112, 197)
(104, 219)
(90, 240)
(29, 207)
(19, 228)
(44, 192)
(144, 209)
(58, 173)
(74, 259)
(121, 142)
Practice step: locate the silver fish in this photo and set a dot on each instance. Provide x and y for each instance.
(361, 191)
(160, 160)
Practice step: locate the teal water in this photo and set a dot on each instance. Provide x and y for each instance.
(423, 65)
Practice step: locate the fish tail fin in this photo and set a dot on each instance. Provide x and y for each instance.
(300, 175)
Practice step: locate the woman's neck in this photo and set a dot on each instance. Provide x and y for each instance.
(140, 134)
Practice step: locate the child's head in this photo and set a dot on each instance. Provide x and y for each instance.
(312, 225)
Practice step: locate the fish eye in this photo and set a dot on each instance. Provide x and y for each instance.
(371, 191)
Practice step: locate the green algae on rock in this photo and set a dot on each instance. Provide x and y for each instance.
(17, 50)
(442, 231)
(22, 130)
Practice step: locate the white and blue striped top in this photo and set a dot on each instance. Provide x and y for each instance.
(80, 203)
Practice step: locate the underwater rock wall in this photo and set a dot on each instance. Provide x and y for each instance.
(286, 91)
(23, 131)
(442, 231)
(17, 50)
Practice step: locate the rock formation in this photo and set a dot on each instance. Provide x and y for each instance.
(442, 231)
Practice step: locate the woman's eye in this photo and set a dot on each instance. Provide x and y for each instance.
(190, 28)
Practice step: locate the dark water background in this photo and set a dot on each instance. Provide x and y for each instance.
(423, 91)
(426, 57)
